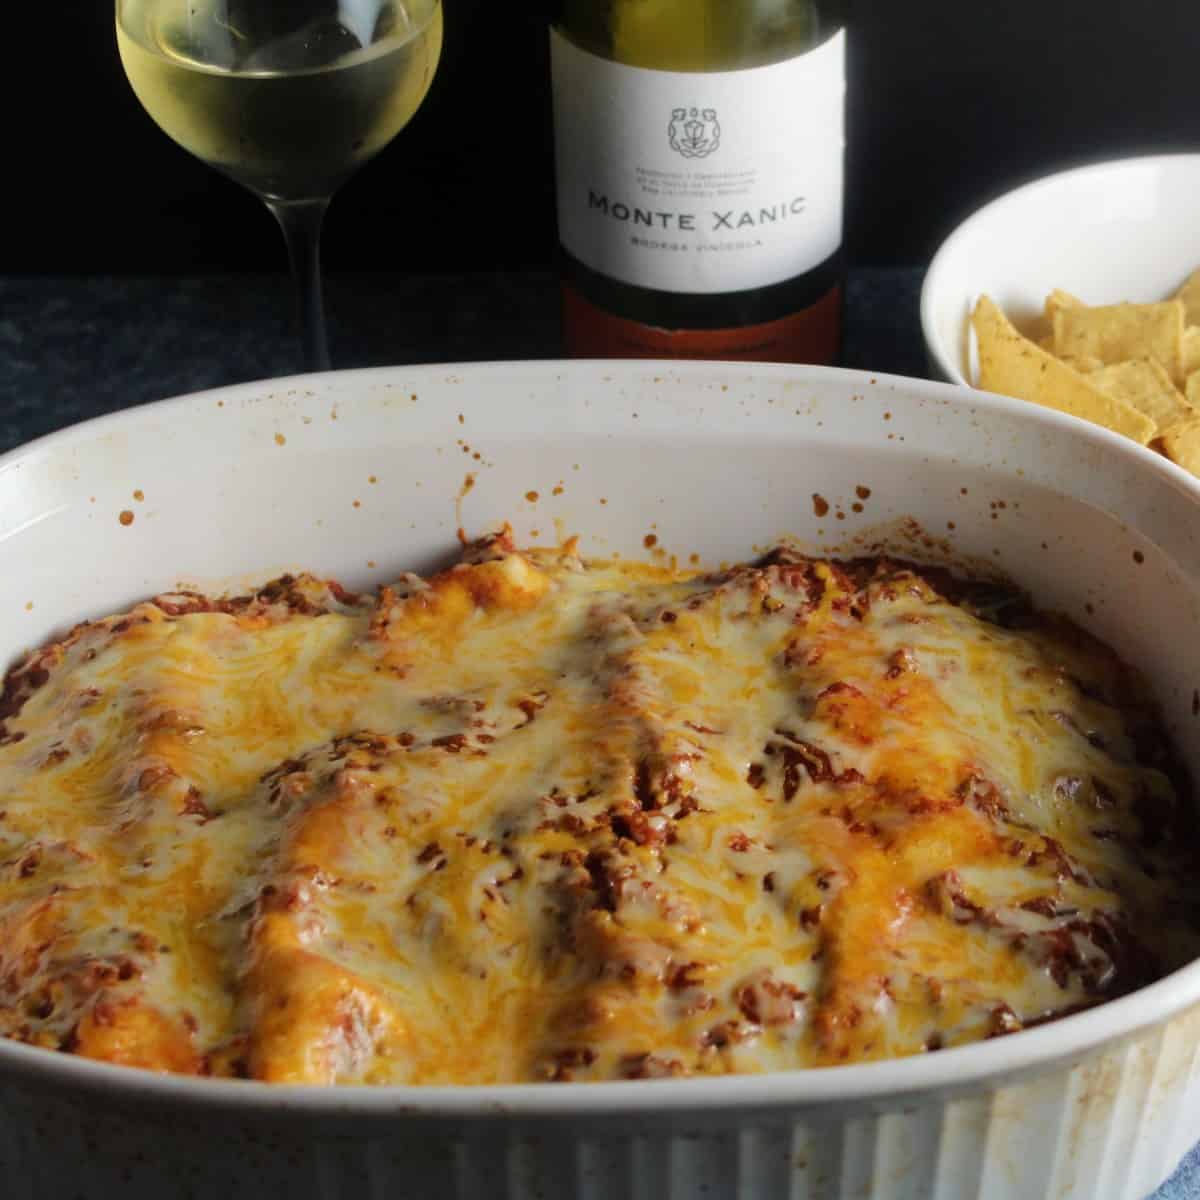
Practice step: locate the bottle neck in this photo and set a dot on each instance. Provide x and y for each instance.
(701, 36)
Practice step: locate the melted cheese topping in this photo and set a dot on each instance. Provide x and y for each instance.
(544, 819)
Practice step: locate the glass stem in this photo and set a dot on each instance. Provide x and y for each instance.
(301, 224)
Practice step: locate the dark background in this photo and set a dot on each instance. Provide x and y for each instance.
(951, 101)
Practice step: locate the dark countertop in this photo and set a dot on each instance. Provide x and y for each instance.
(73, 348)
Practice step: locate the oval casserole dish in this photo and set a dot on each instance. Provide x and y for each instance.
(237, 486)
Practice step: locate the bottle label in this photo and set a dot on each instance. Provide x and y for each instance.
(699, 182)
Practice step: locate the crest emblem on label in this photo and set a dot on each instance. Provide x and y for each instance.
(694, 132)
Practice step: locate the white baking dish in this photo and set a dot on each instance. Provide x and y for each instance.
(359, 475)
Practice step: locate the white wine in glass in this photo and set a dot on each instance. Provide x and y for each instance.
(288, 99)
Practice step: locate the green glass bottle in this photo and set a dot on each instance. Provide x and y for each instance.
(699, 171)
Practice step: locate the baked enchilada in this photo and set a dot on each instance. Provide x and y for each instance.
(542, 818)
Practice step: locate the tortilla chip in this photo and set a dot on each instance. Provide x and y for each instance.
(1189, 296)
(1147, 387)
(1060, 299)
(1083, 363)
(1193, 390)
(1182, 444)
(1191, 350)
(1014, 366)
(1114, 333)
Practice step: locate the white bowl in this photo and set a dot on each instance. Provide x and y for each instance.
(716, 458)
(1112, 231)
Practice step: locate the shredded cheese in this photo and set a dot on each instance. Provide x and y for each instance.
(538, 818)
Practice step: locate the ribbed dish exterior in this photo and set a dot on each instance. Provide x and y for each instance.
(1112, 1127)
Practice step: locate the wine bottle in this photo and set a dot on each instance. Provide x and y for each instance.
(699, 177)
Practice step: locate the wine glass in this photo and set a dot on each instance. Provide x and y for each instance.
(287, 98)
